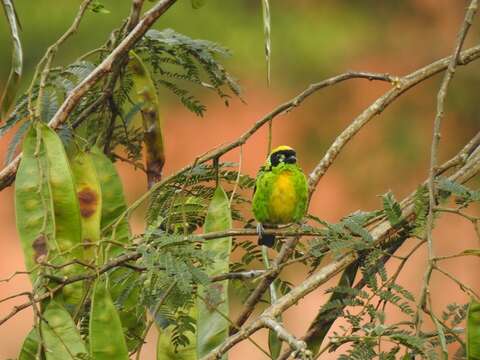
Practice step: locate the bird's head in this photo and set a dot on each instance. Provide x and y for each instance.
(282, 155)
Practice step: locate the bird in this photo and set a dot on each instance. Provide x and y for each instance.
(280, 195)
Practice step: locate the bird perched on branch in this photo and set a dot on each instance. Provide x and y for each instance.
(280, 194)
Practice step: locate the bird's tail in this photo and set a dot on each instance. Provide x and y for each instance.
(266, 239)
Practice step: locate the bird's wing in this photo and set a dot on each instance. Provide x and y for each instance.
(261, 171)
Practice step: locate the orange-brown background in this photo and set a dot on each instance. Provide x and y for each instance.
(311, 40)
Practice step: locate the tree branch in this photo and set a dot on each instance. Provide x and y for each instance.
(442, 94)
(7, 175)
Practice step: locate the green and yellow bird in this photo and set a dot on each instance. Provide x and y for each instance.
(281, 192)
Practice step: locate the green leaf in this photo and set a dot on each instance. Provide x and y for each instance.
(473, 331)
(212, 327)
(392, 208)
(166, 350)
(441, 338)
(10, 90)
(421, 205)
(60, 335)
(30, 346)
(197, 4)
(266, 30)
(106, 334)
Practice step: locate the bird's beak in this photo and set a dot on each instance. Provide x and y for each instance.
(292, 159)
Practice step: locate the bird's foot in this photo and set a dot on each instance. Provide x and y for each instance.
(260, 230)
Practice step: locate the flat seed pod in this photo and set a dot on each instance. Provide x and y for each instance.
(89, 198)
(68, 226)
(33, 204)
(30, 346)
(113, 198)
(473, 331)
(212, 327)
(123, 285)
(145, 93)
(60, 335)
(106, 334)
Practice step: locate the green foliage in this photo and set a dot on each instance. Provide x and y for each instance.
(392, 209)
(463, 195)
(421, 206)
(98, 7)
(181, 203)
(176, 57)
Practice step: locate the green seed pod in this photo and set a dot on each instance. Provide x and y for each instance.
(30, 346)
(212, 327)
(145, 93)
(123, 283)
(113, 199)
(106, 333)
(60, 335)
(68, 226)
(33, 204)
(90, 200)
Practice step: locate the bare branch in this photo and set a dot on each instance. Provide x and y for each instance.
(299, 347)
(402, 85)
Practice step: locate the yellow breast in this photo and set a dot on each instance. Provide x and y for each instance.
(283, 199)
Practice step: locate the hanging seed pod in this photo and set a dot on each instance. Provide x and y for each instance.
(89, 197)
(33, 204)
(145, 93)
(104, 320)
(68, 226)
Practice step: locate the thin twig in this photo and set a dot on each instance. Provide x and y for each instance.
(50, 55)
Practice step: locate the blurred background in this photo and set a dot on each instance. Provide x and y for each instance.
(311, 40)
